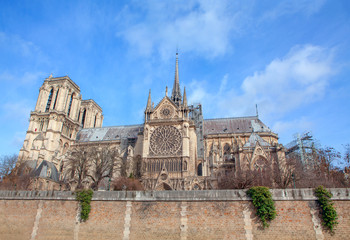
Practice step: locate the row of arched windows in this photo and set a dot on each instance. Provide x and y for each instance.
(70, 103)
(49, 100)
(43, 122)
(174, 165)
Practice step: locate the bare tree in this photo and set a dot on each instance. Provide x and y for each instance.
(237, 180)
(128, 184)
(326, 158)
(103, 160)
(76, 164)
(283, 172)
(7, 164)
(346, 158)
(19, 178)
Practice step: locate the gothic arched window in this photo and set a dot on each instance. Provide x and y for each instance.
(95, 120)
(54, 104)
(83, 118)
(199, 170)
(185, 166)
(49, 101)
(70, 105)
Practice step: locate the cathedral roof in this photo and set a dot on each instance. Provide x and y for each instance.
(43, 171)
(108, 133)
(234, 125)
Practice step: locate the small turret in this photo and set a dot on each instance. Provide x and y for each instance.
(184, 102)
(149, 102)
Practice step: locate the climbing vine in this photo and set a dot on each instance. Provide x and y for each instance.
(262, 201)
(84, 197)
(327, 210)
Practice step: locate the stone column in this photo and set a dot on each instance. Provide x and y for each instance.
(61, 98)
(38, 102)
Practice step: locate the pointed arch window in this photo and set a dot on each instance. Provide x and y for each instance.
(83, 118)
(54, 104)
(185, 166)
(70, 105)
(49, 101)
(95, 120)
(199, 170)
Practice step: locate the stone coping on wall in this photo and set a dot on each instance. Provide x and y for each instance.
(303, 194)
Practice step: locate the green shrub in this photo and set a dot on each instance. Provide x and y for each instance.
(84, 197)
(262, 201)
(327, 210)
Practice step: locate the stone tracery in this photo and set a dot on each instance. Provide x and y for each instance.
(165, 140)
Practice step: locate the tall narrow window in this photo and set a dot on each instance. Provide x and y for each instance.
(54, 104)
(70, 105)
(95, 120)
(199, 170)
(49, 101)
(83, 118)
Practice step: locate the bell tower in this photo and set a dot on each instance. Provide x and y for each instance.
(55, 121)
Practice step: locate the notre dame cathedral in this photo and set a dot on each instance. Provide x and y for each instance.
(173, 149)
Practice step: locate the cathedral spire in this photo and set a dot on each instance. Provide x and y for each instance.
(176, 93)
(184, 102)
(149, 101)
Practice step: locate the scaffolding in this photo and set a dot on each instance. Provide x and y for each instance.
(196, 115)
(303, 146)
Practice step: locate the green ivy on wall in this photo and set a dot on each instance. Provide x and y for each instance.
(84, 197)
(327, 210)
(262, 201)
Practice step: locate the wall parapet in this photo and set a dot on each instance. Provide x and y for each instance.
(302, 194)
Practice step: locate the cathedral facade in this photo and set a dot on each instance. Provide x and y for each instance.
(173, 149)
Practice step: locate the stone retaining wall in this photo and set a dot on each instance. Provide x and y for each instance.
(221, 214)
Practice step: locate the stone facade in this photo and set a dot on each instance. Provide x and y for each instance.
(174, 149)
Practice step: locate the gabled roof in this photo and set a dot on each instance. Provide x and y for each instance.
(43, 171)
(253, 139)
(234, 125)
(108, 133)
(166, 98)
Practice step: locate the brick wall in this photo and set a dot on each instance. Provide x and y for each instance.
(166, 215)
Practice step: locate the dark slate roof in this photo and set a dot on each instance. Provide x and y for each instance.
(42, 171)
(108, 133)
(234, 125)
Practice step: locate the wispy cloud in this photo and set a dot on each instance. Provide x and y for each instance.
(299, 78)
(290, 7)
(18, 45)
(202, 27)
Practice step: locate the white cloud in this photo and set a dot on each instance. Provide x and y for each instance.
(286, 84)
(16, 110)
(18, 45)
(289, 7)
(298, 125)
(202, 27)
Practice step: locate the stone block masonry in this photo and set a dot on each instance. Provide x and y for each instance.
(217, 214)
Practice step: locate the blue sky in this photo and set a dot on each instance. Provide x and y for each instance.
(292, 58)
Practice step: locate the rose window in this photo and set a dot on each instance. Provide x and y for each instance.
(166, 111)
(165, 140)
